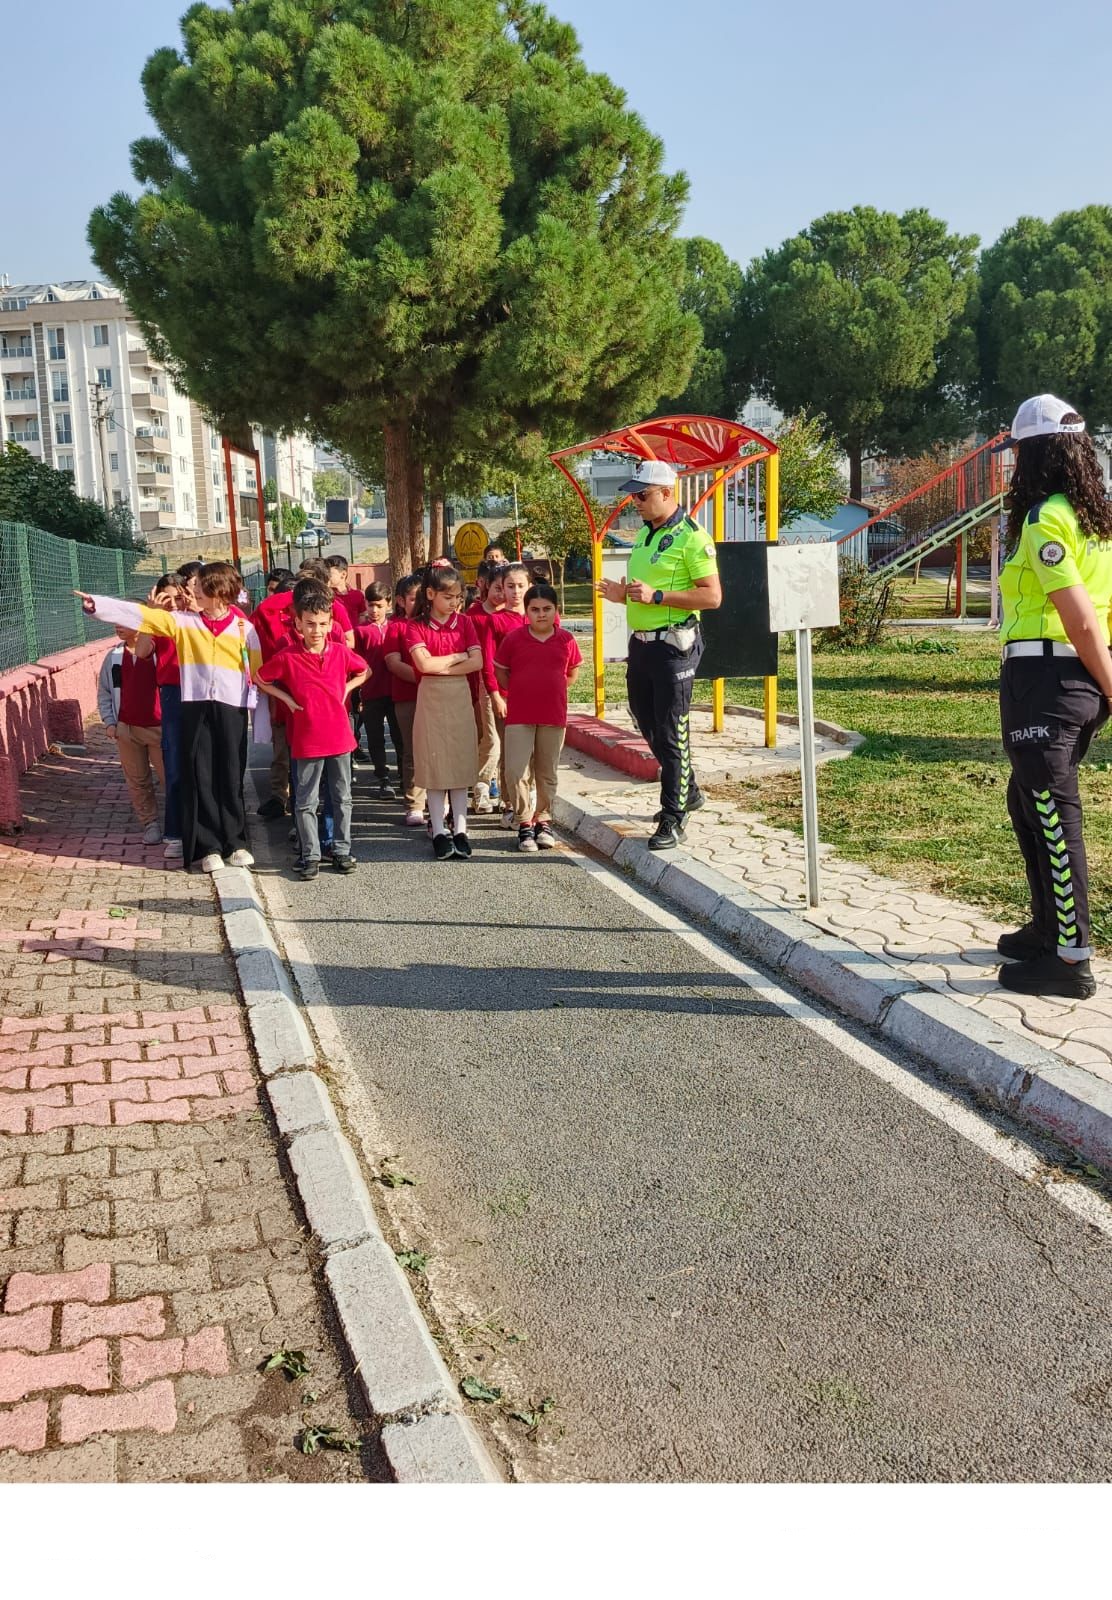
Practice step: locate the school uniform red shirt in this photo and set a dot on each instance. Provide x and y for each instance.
(273, 621)
(370, 642)
(139, 706)
(396, 643)
(354, 604)
(538, 669)
(318, 683)
(166, 667)
(454, 637)
(497, 628)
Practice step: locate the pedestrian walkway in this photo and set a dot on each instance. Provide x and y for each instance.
(943, 944)
(151, 1259)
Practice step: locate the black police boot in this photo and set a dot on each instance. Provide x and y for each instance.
(1049, 974)
(669, 832)
(696, 800)
(1024, 942)
(272, 808)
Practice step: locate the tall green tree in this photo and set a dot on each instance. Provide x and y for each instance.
(1045, 315)
(553, 518)
(811, 481)
(329, 484)
(35, 493)
(712, 290)
(864, 316)
(425, 219)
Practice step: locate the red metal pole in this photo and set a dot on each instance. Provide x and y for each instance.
(262, 508)
(229, 482)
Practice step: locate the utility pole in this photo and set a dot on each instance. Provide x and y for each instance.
(101, 407)
(278, 489)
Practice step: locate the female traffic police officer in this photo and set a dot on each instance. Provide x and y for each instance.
(1055, 682)
(672, 576)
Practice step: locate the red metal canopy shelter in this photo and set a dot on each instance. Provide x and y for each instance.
(698, 447)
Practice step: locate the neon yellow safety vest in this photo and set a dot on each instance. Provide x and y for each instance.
(669, 558)
(1053, 553)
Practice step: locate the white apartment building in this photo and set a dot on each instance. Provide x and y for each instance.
(80, 389)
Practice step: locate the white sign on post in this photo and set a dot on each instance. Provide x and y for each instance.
(615, 629)
(803, 594)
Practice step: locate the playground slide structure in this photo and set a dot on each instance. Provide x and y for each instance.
(951, 506)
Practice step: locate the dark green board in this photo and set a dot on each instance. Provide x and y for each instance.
(738, 641)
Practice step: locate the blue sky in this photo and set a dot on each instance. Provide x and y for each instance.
(981, 111)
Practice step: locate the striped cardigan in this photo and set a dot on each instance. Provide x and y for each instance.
(214, 666)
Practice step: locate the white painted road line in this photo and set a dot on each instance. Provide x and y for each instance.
(1077, 1198)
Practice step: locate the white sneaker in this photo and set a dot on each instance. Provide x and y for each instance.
(484, 805)
(212, 863)
(173, 850)
(241, 858)
(507, 818)
(413, 819)
(152, 833)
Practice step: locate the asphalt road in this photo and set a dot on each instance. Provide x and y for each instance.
(725, 1249)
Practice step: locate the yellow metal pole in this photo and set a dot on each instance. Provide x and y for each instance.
(596, 612)
(718, 685)
(772, 533)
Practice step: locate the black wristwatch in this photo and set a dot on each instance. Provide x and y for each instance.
(658, 597)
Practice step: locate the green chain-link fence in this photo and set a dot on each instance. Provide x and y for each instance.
(39, 612)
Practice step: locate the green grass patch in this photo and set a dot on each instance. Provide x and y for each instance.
(923, 796)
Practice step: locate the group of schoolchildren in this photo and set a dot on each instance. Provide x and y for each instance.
(474, 696)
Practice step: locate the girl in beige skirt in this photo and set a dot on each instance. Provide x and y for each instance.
(446, 655)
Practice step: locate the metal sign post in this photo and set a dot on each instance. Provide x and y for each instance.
(805, 686)
(803, 594)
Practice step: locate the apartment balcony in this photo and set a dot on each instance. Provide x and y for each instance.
(152, 441)
(24, 435)
(153, 516)
(15, 357)
(138, 355)
(18, 392)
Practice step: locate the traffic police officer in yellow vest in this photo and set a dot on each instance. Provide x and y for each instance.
(1055, 683)
(672, 577)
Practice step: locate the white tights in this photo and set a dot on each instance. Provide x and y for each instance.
(438, 802)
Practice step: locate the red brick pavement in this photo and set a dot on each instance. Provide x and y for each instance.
(150, 1255)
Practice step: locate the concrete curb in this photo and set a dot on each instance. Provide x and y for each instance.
(426, 1436)
(1030, 1084)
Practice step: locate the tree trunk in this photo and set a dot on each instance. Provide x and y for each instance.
(416, 512)
(854, 453)
(396, 437)
(563, 577)
(438, 535)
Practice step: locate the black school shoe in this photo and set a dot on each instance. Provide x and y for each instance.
(1024, 942)
(443, 847)
(306, 869)
(344, 863)
(462, 846)
(272, 808)
(1048, 974)
(669, 832)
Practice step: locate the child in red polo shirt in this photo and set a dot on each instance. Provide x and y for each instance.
(312, 677)
(534, 666)
(403, 691)
(515, 582)
(377, 703)
(127, 699)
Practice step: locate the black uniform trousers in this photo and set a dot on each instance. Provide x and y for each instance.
(214, 755)
(374, 713)
(659, 681)
(1050, 708)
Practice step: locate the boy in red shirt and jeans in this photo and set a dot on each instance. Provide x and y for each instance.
(534, 665)
(312, 677)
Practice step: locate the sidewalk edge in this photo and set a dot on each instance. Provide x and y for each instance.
(425, 1432)
(1030, 1084)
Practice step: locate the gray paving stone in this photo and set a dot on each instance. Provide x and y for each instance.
(280, 1035)
(437, 1449)
(399, 1366)
(332, 1189)
(300, 1101)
